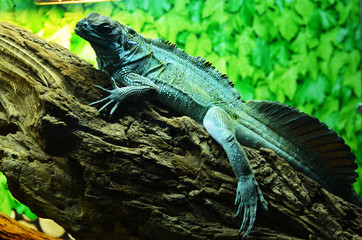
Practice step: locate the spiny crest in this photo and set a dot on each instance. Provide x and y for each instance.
(198, 61)
(327, 151)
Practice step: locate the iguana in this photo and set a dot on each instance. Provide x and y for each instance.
(157, 69)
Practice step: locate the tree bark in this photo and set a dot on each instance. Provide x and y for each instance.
(146, 173)
(10, 229)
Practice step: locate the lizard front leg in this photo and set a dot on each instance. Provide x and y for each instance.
(129, 93)
(221, 127)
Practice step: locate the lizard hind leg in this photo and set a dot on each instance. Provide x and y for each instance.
(221, 127)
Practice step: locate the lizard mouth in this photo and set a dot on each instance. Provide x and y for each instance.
(84, 30)
(80, 28)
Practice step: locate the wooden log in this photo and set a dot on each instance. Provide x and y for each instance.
(10, 229)
(146, 173)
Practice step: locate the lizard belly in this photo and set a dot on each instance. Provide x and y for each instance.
(182, 102)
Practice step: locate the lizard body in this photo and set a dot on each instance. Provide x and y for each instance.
(155, 69)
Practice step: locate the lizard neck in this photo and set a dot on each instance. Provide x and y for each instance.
(108, 60)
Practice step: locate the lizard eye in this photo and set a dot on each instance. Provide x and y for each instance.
(105, 28)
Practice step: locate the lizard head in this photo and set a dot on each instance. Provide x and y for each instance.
(104, 33)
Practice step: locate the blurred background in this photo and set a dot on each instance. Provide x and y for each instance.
(305, 53)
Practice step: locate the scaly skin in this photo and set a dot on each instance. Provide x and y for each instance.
(154, 69)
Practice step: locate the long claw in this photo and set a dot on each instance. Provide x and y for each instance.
(245, 219)
(105, 105)
(239, 210)
(237, 199)
(262, 199)
(247, 195)
(252, 220)
(114, 108)
(248, 231)
(99, 101)
(103, 89)
(115, 96)
(114, 82)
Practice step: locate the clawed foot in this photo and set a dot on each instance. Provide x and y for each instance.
(246, 200)
(115, 96)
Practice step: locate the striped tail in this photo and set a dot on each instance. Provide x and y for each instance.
(322, 154)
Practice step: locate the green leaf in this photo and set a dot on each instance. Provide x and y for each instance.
(103, 8)
(191, 44)
(306, 63)
(347, 119)
(157, 8)
(353, 80)
(170, 25)
(6, 6)
(328, 19)
(245, 42)
(346, 95)
(217, 61)
(283, 82)
(280, 4)
(288, 24)
(215, 8)
(327, 3)
(289, 82)
(195, 10)
(243, 63)
(299, 45)
(181, 7)
(22, 209)
(247, 11)
(8, 202)
(332, 120)
(132, 5)
(313, 91)
(221, 40)
(264, 27)
(55, 14)
(233, 5)
(136, 20)
(305, 9)
(260, 56)
(246, 88)
(321, 19)
(353, 60)
(280, 51)
(332, 68)
(342, 34)
(329, 106)
(344, 11)
(347, 36)
(83, 49)
(325, 48)
(262, 92)
(260, 28)
(307, 108)
(26, 14)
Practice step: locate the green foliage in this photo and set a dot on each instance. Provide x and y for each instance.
(302, 52)
(8, 203)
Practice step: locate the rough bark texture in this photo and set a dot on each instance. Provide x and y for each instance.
(147, 173)
(10, 229)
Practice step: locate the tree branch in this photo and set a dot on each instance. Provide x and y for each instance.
(147, 173)
(10, 229)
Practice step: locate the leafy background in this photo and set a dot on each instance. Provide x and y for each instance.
(305, 53)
